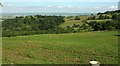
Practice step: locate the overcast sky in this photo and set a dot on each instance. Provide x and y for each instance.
(58, 6)
(60, 0)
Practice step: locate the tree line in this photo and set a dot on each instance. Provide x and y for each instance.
(29, 25)
(37, 24)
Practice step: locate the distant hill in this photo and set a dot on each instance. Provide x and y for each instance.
(110, 12)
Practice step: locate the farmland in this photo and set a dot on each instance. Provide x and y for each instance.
(70, 22)
(41, 39)
(71, 48)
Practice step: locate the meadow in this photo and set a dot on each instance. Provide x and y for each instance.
(71, 48)
(71, 21)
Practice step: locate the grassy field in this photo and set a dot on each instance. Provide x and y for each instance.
(72, 48)
(102, 20)
(69, 22)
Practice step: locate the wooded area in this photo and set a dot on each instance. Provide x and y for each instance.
(38, 24)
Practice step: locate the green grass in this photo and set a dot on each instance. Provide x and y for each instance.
(69, 22)
(73, 48)
(100, 20)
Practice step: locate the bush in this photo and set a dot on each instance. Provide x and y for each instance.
(77, 18)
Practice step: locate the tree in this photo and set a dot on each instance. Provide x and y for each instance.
(101, 16)
(77, 18)
(106, 17)
(114, 16)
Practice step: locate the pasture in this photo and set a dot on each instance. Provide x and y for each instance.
(71, 21)
(72, 48)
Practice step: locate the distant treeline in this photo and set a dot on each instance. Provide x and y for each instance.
(110, 12)
(38, 24)
(30, 25)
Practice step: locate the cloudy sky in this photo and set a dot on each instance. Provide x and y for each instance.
(59, 0)
(58, 6)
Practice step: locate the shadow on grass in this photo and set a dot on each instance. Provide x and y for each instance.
(116, 35)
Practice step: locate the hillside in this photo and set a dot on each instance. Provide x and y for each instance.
(72, 48)
(101, 21)
(40, 39)
(38, 24)
(106, 16)
(70, 20)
